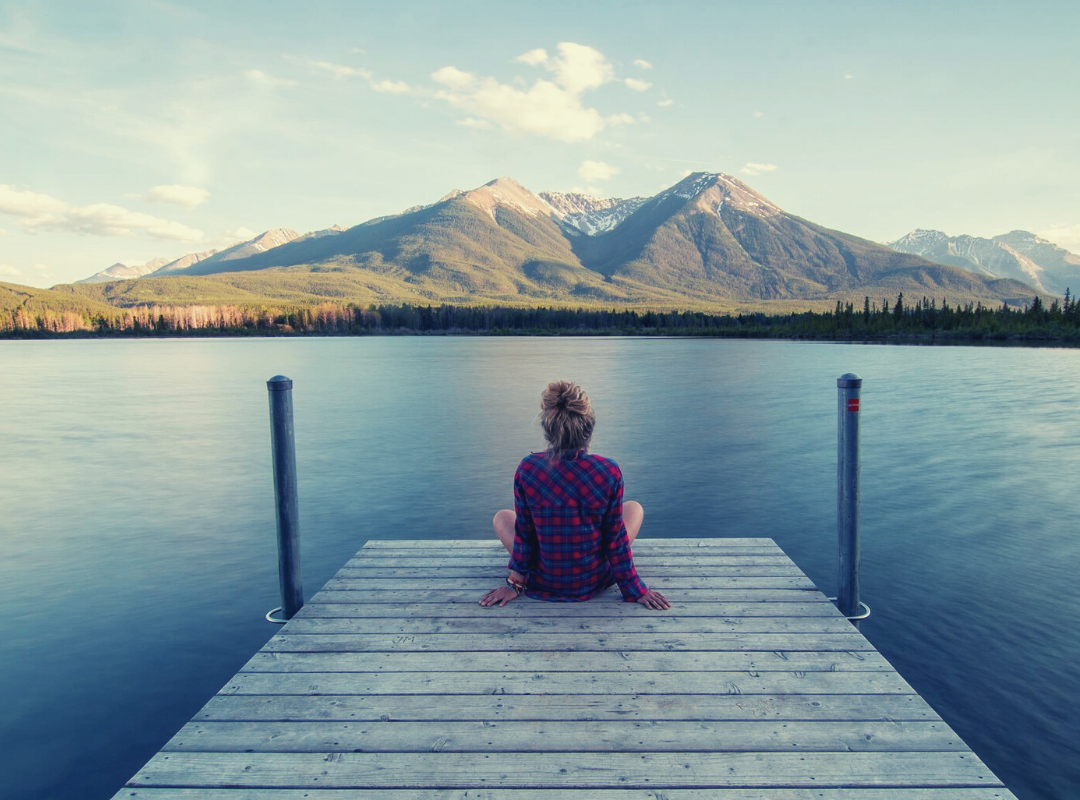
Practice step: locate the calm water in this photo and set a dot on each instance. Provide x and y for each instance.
(137, 552)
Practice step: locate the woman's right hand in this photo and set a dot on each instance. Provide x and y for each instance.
(653, 599)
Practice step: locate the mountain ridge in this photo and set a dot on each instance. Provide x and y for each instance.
(1019, 254)
(709, 239)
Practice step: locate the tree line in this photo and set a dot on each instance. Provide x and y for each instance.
(923, 318)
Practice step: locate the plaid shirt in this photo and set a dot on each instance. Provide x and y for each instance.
(570, 541)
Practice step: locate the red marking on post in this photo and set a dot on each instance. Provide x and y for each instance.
(853, 404)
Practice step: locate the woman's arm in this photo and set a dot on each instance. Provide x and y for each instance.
(523, 556)
(620, 557)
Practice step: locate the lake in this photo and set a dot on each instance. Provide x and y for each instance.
(137, 533)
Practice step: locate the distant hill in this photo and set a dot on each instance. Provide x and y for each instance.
(13, 297)
(120, 272)
(708, 241)
(1019, 255)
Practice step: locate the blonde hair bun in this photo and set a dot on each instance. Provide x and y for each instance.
(567, 418)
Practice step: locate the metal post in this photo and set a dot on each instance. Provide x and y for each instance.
(285, 495)
(847, 494)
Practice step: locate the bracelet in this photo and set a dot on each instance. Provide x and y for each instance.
(517, 586)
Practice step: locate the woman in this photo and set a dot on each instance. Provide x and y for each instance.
(569, 534)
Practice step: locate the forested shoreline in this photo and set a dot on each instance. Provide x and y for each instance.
(922, 320)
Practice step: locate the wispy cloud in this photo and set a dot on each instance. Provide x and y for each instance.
(190, 196)
(552, 108)
(636, 85)
(260, 78)
(750, 168)
(641, 62)
(391, 87)
(472, 122)
(41, 212)
(9, 271)
(666, 102)
(340, 70)
(238, 235)
(597, 171)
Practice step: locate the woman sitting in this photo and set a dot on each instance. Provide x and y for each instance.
(569, 534)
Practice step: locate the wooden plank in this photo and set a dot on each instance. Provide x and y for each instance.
(615, 642)
(906, 793)
(631, 708)
(557, 770)
(493, 623)
(612, 595)
(644, 561)
(498, 572)
(764, 736)
(561, 661)
(482, 584)
(493, 544)
(554, 683)
(594, 609)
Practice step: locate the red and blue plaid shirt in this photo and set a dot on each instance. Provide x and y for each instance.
(570, 541)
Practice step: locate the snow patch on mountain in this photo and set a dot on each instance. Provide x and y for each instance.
(1020, 255)
(590, 215)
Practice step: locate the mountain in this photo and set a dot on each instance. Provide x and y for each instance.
(120, 272)
(1019, 255)
(708, 241)
(212, 262)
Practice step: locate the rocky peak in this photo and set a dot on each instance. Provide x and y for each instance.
(503, 192)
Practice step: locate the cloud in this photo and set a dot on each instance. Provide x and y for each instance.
(105, 219)
(750, 168)
(759, 114)
(41, 212)
(596, 171)
(1067, 236)
(848, 76)
(641, 62)
(189, 196)
(533, 58)
(239, 235)
(454, 78)
(550, 108)
(7, 269)
(472, 122)
(263, 79)
(636, 85)
(340, 70)
(31, 205)
(391, 87)
(665, 102)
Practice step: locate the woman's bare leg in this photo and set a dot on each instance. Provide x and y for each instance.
(633, 515)
(504, 528)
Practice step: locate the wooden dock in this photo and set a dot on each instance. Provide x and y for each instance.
(392, 682)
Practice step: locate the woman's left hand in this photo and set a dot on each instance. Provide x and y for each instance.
(653, 599)
(500, 596)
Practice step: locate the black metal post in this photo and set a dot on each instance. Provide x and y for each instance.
(285, 495)
(849, 387)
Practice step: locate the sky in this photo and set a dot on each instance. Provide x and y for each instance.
(131, 130)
